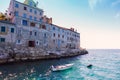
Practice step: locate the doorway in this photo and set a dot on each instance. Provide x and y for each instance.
(31, 43)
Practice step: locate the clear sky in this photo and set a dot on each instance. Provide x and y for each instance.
(98, 21)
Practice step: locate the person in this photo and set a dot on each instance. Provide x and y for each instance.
(52, 66)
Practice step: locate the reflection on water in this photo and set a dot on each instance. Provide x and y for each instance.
(105, 67)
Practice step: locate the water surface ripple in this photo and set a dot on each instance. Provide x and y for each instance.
(106, 66)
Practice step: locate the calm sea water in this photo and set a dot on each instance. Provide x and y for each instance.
(106, 66)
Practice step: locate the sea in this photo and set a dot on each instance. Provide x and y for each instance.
(105, 66)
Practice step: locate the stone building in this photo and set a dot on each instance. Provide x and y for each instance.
(34, 29)
(7, 32)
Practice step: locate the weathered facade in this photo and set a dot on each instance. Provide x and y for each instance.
(7, 32)
(34, 29)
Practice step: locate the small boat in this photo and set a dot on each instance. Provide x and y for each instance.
(61, 67)
(89, 66)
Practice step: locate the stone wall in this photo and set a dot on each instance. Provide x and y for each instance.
(12, 53)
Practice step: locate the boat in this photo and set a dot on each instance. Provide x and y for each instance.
(61, 67)
(89, 66)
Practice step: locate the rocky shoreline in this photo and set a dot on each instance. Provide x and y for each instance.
(51, 55)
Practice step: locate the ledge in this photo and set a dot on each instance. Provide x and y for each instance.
(43, 57)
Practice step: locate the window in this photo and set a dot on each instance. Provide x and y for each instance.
(12, 30)
(62, 41)
(67, 33)
(24, 22)
(17, 5)
(43, 27)
(3, 29)
(30, 3)
(16, 13)
(54, 34)
(62, 30)
(45, 35)
(31, 43)
(35, 12)
(30, 17)
(25, 8)
(58, 35)
(19, 31)
(30, 10)
(30, 32)
(37, 42)
(35, 33)
(32, 24)
(2, 39)
(40, 13)
(40, 19)
(67, 38)
(58, 29)
(53, 28)
(19, 42)
(54, 41)
(40, 26)
(35, 18)
(62, 36)
(25, 15)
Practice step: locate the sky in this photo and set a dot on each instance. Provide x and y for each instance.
(97, 21)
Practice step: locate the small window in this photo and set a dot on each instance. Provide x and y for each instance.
(35, 33)
(30, 17)
(35, 18)
(30, 32)
(62, 36)
(2, 39)
(12, 30)
(3, 29)
(31, 43)
(43, 27)
(40, 13)
(25, 15)
(67, 38)
(62, 41)
(32, 24)
(16, 13)
(30, 3)
(62, 30)
(58, 35)
(40, 26)
(58, 29)
(54, 41)
(30, 10)
(17, 5)
(40, 19)
(37, 42)
(45, 35)
(53, 28)
(25, 8)
(19, 42)
(24, 22)
(54, 34)
(35, 12)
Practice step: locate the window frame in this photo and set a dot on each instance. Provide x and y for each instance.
(16, 5)
(2, 39)
(25, 8)
(12, 30)
(3, 30)
(25, 24)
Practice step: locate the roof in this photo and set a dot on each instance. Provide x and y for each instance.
(64, 28)
(28, 5)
